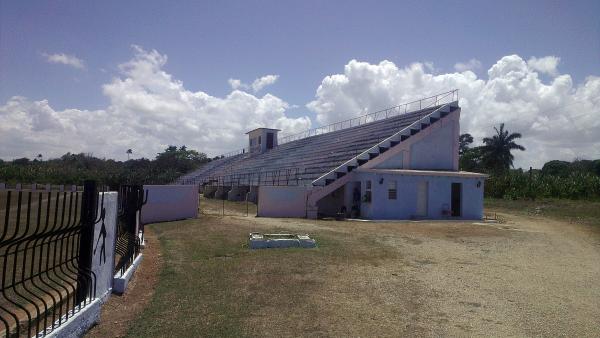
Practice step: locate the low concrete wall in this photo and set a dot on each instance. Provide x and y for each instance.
(121, 281)
(238, 193)
(285, 201)
(209, 191)
(169, 203)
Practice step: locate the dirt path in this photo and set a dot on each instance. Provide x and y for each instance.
(539, 277)
(119, 311)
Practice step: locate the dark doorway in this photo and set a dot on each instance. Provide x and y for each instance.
(456, 198)
(269, 140)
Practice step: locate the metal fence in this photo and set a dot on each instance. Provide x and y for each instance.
(46, 241)
(279, 177)
(130, 230)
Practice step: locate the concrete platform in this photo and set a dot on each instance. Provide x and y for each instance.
(264, 241)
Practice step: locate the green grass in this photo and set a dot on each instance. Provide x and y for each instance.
(212, 285)
(574, 211)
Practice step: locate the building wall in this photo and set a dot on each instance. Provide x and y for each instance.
(170, 202)
(435, 151)
(434, 148)
(282, 201)
(405, 205)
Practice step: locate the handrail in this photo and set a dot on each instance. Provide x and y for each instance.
(441, 98)
(437, 99)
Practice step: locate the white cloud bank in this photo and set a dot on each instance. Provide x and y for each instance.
(558, 120)
(65, 59)
(148, 110)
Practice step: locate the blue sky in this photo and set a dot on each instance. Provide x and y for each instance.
(302, 42)
(210, 41)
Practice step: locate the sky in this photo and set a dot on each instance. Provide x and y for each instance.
(103, 77)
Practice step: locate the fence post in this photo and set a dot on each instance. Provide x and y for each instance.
(86, 241)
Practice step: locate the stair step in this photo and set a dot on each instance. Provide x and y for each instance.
(413, 131)
(433, 119)
(382, 150)
(424, 125)
(372, 156)
(328, 181)
(393, 143)
(350, 168)
(404, 137)
(339, 174)
(444, 113)
(361, 162)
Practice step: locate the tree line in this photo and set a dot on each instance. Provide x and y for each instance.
(579, 179)
(70, 168)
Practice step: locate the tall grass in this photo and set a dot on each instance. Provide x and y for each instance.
(520, 185)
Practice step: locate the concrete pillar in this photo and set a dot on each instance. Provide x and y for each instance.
(222, 192)
(253, 194)
(238, 193)
(209, 191)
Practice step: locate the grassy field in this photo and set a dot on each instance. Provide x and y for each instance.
(573, 211)
(375, 279)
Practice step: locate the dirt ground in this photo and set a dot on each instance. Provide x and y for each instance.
(525, 276)
(119, 311)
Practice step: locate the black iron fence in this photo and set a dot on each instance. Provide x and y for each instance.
(46, 241)
(279, 177)
(130, 230)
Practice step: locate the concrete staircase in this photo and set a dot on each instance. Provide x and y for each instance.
(404, 134)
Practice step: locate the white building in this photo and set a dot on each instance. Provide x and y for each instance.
(399, 163)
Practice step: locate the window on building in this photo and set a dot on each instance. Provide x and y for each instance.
(367, 197)
(392, 190)
(259, 140)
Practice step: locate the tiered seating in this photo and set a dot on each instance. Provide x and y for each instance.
(311, 157)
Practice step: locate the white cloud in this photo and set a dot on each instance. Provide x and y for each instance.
(558, 120)
(256, 86)
(547, 65)
(65, 59)
(264, 81)
(472, 65)
(148, 110)
(236, 84)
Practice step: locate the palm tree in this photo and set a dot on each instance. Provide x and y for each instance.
(497, 150)
(129, 152)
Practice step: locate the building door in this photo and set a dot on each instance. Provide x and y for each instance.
(269, 140)
(422, 197)
(455, 199)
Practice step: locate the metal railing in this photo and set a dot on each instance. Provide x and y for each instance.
(130, 229)
(404, 108)
(280, 177)
(46, 241)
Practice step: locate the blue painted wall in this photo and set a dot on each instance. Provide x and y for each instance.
(405, 206)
